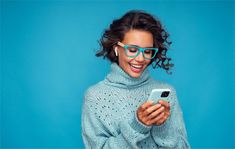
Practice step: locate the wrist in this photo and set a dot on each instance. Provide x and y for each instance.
(139, 126)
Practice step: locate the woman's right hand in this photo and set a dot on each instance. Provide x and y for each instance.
(149, 113)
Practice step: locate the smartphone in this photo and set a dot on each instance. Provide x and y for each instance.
(159, 94)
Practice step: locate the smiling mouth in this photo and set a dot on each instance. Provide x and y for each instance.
(136, 68)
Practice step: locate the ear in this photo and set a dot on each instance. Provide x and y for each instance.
(115, 51)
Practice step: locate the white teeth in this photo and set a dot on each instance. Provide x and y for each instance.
(137, 66)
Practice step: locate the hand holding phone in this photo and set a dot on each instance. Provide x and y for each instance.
(163, 95)
(154, 112)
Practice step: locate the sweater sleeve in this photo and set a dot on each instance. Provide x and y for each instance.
(172, 134)
(97, 133)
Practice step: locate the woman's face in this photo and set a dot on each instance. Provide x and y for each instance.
(135, 66)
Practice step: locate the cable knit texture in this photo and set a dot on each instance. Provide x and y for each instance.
(109, 117)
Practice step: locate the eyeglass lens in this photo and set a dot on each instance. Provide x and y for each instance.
(134, 51)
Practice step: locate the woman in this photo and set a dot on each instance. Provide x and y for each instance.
(116, 111)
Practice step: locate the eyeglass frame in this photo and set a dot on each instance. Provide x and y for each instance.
(140, 49)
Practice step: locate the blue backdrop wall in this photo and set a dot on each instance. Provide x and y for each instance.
(47, 63)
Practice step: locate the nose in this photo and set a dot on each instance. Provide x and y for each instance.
(140, 57)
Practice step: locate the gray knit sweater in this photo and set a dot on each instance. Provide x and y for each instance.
(109, 115)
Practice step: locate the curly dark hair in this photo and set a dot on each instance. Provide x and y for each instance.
(139, 20)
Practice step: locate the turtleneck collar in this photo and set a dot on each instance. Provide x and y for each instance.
(119, 78)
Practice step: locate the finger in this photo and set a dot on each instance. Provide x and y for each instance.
(165, 117)
(168, 113)
(148, 123)
(146, 105)
(161, 121)
(156, 119)
(156, 112)
(142, 108)
(164, 103)
(151, 109)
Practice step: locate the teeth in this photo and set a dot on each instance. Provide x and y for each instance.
(136, 66)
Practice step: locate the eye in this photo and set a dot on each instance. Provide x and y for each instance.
(132, 49)
(148, 51)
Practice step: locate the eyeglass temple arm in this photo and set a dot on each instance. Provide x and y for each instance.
(120, 44)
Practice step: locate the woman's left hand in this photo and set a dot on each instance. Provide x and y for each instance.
(166, 112)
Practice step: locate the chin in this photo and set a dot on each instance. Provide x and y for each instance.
(135, 75)
(134, 71)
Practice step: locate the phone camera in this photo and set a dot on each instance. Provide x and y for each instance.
(165, 94)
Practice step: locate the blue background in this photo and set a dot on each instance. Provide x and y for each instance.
(47, 62)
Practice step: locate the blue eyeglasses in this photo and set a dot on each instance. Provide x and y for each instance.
(133, 51)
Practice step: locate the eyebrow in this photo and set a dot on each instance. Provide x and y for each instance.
(138, 46)
(122, 44)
